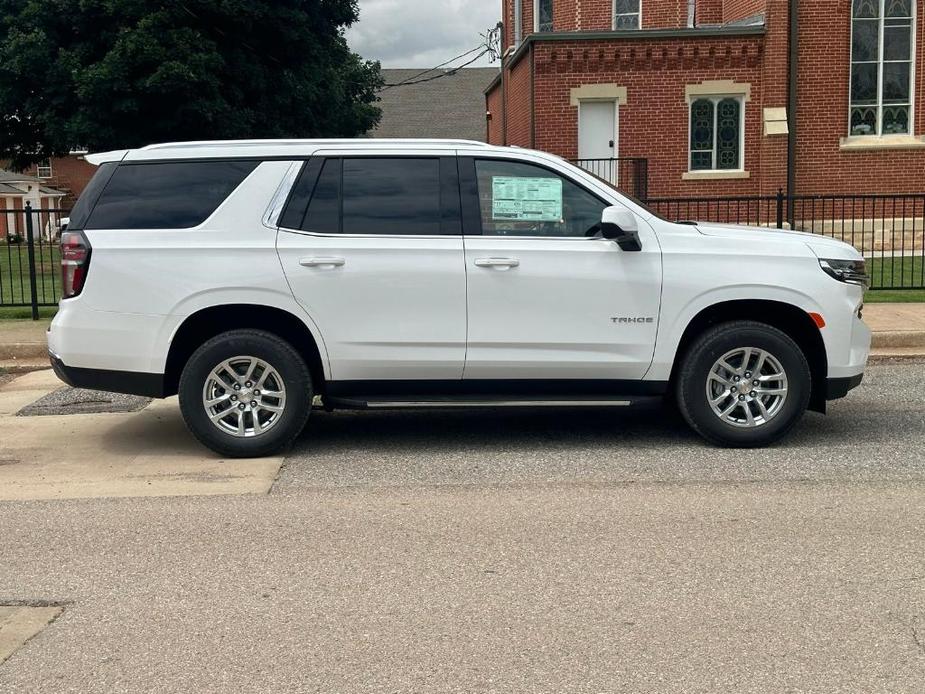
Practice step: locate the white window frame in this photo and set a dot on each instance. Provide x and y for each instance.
(716, 99)
(44, 166)
(613, 15)
(913, 46)
(536, 16)
(518, 34)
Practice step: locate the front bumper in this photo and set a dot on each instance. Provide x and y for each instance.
(837, 388)
(128, 382)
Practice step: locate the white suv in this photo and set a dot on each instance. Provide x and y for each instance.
(253, 277)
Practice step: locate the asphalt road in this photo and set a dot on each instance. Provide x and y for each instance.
(503, 552)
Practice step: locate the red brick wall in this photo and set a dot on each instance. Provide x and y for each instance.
(709, 12)
(70, 175)
(664, 14)
(822, 117)
(654, 122)
(742, 9)
(518, 104)
(494, 107)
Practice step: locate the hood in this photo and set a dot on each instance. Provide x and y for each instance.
(822, 246)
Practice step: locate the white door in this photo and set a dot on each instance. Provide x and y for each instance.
(547, 297)
(598, 141)
(376, 260)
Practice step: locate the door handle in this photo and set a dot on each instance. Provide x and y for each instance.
(322, 262)
(497, 262)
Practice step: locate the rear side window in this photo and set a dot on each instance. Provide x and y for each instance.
(392, 196)
(396, 196)
(89, 196)
(175, 195)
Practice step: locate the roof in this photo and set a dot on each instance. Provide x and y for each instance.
(13, 177)
(452, 105)
(12, 183)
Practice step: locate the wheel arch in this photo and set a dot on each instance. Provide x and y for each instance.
(214, 320)
(789, 319)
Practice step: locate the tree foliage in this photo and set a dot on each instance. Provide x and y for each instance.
(112, 74)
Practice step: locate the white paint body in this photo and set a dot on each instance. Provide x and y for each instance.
(419, 308)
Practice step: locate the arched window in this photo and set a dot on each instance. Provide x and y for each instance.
(542, 14)
(716, 134)
(882, 43)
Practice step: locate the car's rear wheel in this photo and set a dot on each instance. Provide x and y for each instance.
(743, 384)
(246, 394)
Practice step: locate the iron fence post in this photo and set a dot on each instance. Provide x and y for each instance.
(30, 245)
(780, 208)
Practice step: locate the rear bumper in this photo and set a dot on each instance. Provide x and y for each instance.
(837, 388)
(128, 382)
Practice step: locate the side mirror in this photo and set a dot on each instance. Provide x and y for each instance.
(619, 225)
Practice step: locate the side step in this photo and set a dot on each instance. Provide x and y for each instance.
(358, 402)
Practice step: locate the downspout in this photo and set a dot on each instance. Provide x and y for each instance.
(503, 100)
(532, 98)
(794, 71)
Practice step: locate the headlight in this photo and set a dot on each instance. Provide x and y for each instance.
(848, 271)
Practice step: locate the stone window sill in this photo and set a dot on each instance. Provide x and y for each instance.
(714, 175)
(869, 143)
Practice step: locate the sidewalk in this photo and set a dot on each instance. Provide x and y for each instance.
(899, 331)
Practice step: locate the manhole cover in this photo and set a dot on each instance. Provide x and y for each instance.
(81, 401)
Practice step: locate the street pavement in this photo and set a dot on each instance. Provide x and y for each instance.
(501, 551)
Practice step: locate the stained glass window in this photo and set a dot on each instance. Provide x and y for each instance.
(626, 14)
(881, 67)
(543, 10)
(716, 134)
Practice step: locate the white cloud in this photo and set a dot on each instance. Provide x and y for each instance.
(421, 33)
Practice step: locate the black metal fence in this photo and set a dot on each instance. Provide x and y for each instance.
(626, 173)
(888, 230)
(30, 257)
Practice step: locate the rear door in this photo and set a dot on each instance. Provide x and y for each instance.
(371, 245)
(548, 298)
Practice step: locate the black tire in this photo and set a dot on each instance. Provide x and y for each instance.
(267, 347)
(698, 361)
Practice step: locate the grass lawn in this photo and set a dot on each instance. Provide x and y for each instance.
(896, 273)
(14, 279)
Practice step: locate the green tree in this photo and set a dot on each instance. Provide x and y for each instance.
(112, 74)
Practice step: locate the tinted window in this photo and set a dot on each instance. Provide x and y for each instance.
(166, 196)
(391, 196)
(519, 199)
(323, 215)
(88, 197)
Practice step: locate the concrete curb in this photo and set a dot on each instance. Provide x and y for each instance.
(23, 350)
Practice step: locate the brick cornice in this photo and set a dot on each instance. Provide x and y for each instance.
(649, 57)
(634, 36)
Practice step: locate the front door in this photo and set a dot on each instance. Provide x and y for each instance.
(549, 298)
(372, 250)
(598, 139)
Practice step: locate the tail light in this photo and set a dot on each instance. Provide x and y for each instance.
(75, 261)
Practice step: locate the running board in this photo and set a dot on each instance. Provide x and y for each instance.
(385, 403)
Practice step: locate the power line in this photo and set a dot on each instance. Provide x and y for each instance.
(489, 46)
(437, 67)
(445, 73)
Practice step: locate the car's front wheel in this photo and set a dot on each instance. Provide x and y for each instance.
(246, 394)
(743, 384)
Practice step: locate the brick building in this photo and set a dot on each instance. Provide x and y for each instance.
(711, 94)
(69, 174)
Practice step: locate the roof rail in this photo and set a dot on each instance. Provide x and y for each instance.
(313, 141)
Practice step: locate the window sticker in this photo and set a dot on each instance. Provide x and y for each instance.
(526, 199)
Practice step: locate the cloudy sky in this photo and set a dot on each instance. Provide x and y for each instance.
(421, 33)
